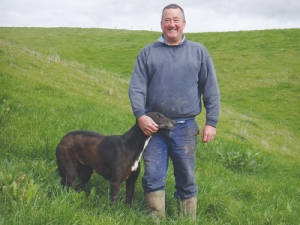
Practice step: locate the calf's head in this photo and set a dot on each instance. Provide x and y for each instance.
(162, 121)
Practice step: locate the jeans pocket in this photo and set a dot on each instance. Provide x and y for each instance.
(192, 127)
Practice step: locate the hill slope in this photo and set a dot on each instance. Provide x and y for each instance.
(56, 80)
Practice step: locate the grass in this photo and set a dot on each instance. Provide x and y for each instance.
(61, 79)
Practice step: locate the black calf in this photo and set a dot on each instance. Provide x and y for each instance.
(115, 157)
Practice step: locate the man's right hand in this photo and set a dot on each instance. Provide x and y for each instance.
(147, 125)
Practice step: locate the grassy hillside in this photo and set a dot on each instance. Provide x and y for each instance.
(61, 79)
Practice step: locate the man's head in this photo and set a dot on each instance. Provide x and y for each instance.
(172, 23)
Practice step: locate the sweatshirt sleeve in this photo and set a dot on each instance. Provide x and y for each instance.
(138, 87)
(209, 90)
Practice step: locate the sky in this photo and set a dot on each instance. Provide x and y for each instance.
(201, 16)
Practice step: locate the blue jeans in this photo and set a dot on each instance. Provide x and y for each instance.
(179, 144)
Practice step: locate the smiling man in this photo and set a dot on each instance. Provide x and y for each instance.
(172, 25)
(173, 76)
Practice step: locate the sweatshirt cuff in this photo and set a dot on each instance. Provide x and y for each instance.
(139, 113)
(212, 123)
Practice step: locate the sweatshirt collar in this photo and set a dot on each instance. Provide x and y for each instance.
(162, 39)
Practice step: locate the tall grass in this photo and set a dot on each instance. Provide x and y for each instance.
(56, 80)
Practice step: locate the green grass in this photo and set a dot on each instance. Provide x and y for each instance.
(56, 80)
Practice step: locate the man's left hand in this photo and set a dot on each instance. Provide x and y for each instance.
(208, 133)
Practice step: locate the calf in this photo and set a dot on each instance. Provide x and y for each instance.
(114, 157)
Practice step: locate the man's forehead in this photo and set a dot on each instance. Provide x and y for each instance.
(172, 13)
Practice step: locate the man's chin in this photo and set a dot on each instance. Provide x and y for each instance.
(172, 34)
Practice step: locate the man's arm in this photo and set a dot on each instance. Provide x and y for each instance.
(138, 88)
(211, 100)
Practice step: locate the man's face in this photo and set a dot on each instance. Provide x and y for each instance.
(172, 25)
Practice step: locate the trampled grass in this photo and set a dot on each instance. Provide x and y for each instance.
(56, 80)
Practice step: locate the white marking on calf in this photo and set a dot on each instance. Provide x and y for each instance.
(136, 163)
(146, 143)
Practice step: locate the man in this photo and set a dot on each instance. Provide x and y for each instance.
(171, 76)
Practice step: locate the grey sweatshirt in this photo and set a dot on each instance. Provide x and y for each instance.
(174, 80)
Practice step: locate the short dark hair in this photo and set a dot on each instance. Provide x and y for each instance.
(173, 6)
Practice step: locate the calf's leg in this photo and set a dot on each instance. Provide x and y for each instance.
(130, 184)
(84, 173)
(115, 191)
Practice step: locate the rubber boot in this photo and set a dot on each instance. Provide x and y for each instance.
(188, 207)
(155, 202)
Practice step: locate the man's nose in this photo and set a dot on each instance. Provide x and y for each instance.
(172, 23)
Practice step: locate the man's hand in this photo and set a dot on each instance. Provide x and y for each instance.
(208, 133)
(147, 125)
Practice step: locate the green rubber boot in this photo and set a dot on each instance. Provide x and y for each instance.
(188, 207)
(155, 202)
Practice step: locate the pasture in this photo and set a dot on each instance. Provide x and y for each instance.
(54, 80)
